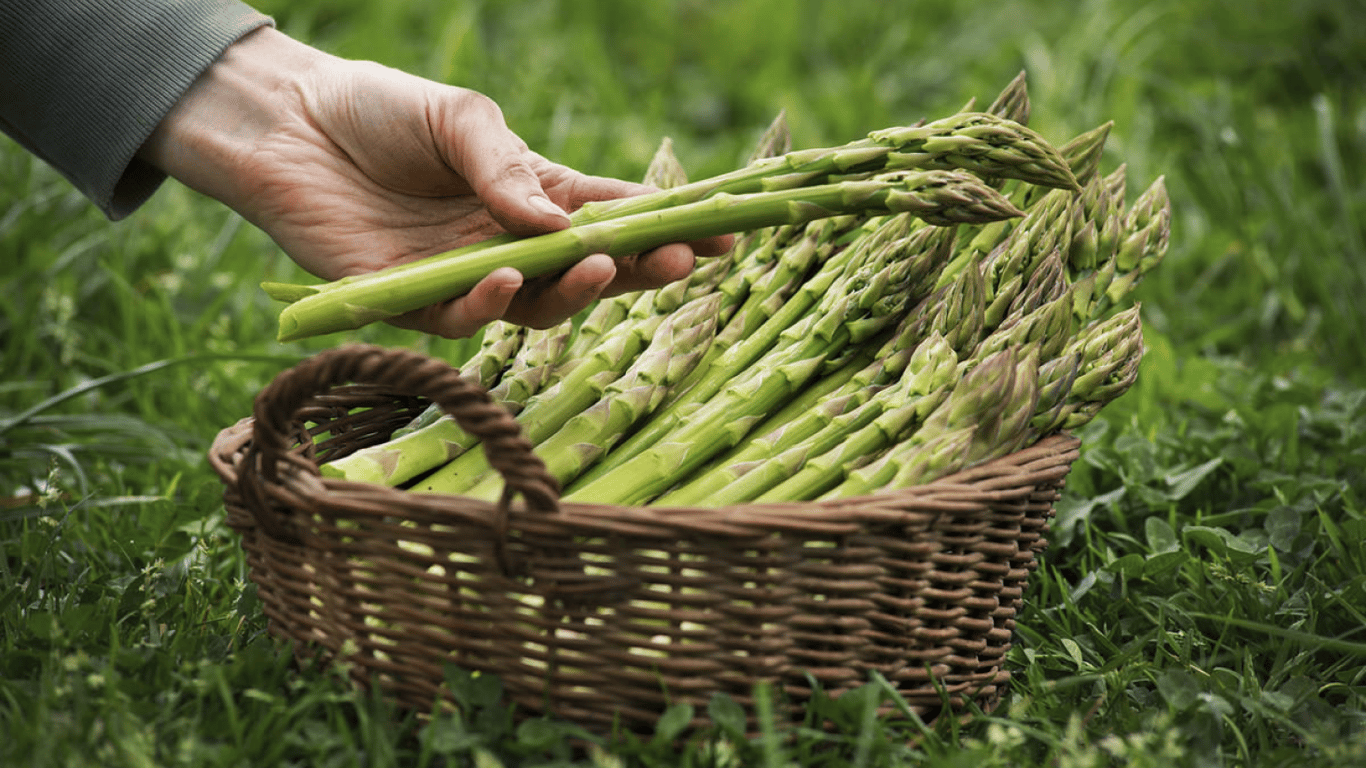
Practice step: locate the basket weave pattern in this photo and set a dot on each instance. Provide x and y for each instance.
(604, 614)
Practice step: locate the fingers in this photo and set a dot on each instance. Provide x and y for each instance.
(547, 302)
(656, 268)
(505, 295)
(516, 184)
(495, 162)
(528, 195)
(712, 246)
(541, 303)
(460, 318)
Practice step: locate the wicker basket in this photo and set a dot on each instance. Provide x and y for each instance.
(605, 615)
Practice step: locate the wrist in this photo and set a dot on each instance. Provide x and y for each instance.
(250, 92)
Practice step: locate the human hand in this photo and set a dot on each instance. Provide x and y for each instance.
(351, 167)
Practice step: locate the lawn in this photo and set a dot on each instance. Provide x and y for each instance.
(1203, 601)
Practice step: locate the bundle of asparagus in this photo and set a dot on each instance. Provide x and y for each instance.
(894, 310)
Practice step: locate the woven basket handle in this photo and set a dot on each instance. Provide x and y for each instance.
(277, 427)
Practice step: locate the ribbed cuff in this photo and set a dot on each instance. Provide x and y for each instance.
(86, 82)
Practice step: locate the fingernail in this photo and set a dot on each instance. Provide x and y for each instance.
(545, 205)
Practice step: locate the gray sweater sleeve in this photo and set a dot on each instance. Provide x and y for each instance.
(84, 82)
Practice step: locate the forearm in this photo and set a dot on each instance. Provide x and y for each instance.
(83, 83)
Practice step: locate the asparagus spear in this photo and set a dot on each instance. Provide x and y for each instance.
(853, 381)
(830, 398)
(532, 367)
(665, 172)
(1107, 354)
(1148, 228)
(568, 444)
(400, 460)
(956, 311)
(745, 261)
(707, 381)
(722, 421)
(766, 293)
(1047, 283)
(1082, 153)
(418, 450)
(1009, 429)
(1049, 326)
(942, 442)
(1056, 378)
(983, 143)
(1045, 228)
(811, 457)
(1143, 237)
(500, 341)
(714, 426)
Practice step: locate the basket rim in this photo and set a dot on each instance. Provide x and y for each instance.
(1015, 476)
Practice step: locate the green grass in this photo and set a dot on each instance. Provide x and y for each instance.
(1203, 599)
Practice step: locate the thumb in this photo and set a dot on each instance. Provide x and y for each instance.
(497, 164)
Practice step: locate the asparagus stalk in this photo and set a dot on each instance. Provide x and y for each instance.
(814, 410)
(809, 459)
(956, 311)
(722, 421)
(534, 366)
(855, 380)
(1148, 228)
(1007, 432)
(665, 172)
(868, 253)
(937, 196)
(538, 413)
(716, 425)
(1082, 153)
(737, 268)
(1045, 228)
(499, 342)
(775, 141)
(982, 143)
(568, 445)
(590, 377)
(941, 444)
(712, 376)
(432, 443)
(1048, 283)
(769, 291)
(1050, 326)
(1056, 378)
